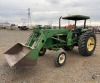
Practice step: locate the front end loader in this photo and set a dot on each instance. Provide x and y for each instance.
(26, 55)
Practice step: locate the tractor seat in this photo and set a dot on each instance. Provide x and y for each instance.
(76, 31)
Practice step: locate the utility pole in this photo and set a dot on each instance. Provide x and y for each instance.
(23, 21)
(50, 23)
(29, 17)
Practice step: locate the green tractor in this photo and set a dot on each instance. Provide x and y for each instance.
(41, 39)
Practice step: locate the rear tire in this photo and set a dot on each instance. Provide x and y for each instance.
(87, 43)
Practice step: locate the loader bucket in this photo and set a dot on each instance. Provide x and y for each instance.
(18, 56)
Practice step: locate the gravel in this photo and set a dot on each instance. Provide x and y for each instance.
(77, 69)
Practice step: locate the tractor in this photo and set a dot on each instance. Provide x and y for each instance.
(41, 39)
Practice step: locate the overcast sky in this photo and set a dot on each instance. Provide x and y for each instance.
(43, 11)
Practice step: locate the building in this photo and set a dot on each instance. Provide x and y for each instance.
(5, 25)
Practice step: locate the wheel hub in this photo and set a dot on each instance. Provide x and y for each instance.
(90, 44)
(62, 58)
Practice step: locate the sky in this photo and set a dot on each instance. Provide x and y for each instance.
(47, 11)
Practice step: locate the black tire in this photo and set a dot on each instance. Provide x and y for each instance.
(83, 42)
(66, 48)
(42, 51)
(57, 60)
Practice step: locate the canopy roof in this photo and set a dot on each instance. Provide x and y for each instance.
(76, 17)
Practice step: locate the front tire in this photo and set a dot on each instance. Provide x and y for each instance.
(42, 51)
(60, 58)
(87, 43)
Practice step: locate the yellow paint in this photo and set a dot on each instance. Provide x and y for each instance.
(90, 44)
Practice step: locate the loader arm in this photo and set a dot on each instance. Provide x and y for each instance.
(39, 43)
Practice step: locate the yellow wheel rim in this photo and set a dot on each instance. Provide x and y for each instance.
(90, 44)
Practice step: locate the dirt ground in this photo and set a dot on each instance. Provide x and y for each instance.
(77, 69)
